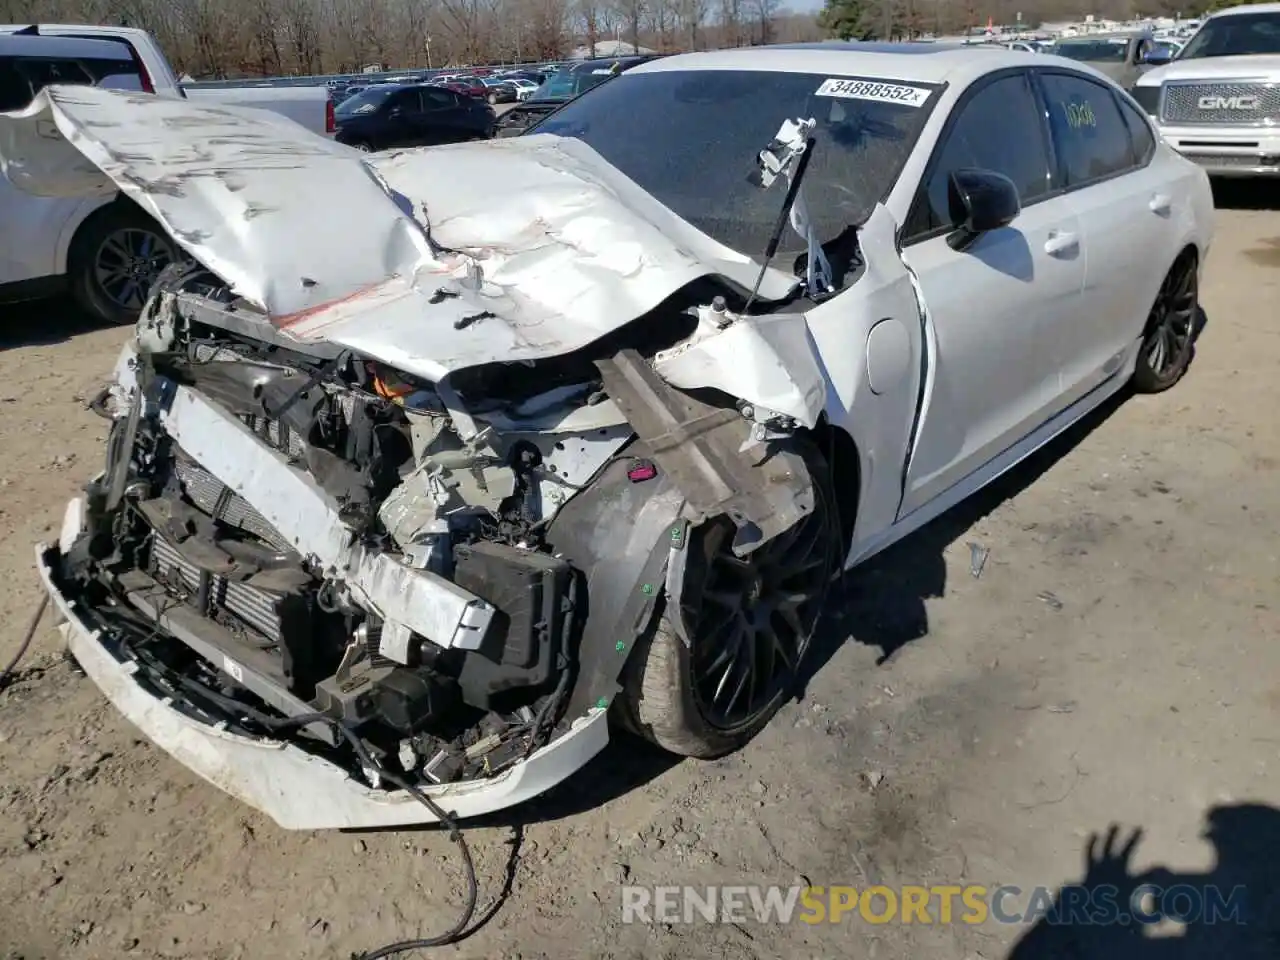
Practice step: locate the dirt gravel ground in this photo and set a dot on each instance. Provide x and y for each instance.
(1116, 662)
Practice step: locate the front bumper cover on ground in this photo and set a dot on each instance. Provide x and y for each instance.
(297, 790)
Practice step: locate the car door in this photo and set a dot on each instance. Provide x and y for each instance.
(31, 226)
(403, 121)
(1123, 206)
(450, 115)
(996, 310)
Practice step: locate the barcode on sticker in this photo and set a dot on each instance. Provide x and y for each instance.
(232, 669)
(873, 90)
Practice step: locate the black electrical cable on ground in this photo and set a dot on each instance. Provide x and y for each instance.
(459, 930)
(7, 672)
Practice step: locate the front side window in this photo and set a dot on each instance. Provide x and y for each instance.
(997, 129)
(1235, 35)
(692, 139)
(363, 103)
(438, 99)
(1089, 134)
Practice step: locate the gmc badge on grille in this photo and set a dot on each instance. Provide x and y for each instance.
(1228, 103)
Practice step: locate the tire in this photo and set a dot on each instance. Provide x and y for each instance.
(493, 100)
(362, 146)
(1168, 340)
(666, 685)
(115, 258)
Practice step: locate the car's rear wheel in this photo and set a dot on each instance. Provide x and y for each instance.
(750, 623)
(493, 99)
(362, 146)
(1168, 341)
(116, 257)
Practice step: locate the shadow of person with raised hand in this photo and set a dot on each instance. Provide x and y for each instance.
(1231, 911)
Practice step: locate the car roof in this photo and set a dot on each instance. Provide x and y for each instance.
(1247, 8)
(921, 61)
(27, 45)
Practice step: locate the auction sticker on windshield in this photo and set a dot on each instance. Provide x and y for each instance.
(873, 90)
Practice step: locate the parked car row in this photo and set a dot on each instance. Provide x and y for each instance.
(561, 87)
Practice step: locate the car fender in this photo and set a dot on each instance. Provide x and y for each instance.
(75, 219)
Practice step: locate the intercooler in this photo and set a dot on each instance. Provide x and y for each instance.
(251, 606)
(222, 503)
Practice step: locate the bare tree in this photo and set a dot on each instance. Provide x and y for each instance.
(763, 12)
(471, 25)
(692, 15)
(589, 15)
(632, 13)
(730, 15)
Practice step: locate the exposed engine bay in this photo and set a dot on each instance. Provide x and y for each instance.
(391, 553)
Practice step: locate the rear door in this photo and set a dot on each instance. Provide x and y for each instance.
(999, 311)
(31, 227)
(1124, 205)
(403, 120)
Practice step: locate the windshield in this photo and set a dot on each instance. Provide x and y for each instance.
(1235, 35)
(692, 138)
(1094, 51)
(366, 101)
(559, 86)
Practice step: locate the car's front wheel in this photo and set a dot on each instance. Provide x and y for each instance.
(750, 622)
(1168, 341)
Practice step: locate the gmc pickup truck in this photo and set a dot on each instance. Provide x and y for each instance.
(104, 250)
(1218, 101)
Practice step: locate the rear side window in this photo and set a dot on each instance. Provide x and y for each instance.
(439, 99)
(999, 129)
(408, 101)
(1089, 134)
(21, 78)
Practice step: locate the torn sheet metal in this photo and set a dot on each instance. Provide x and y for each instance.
(770, 360)
(764, 489)
(377, 252)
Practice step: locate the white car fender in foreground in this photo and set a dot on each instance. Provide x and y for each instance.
(296, 790)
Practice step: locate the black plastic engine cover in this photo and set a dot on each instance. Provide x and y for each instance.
(533, 594)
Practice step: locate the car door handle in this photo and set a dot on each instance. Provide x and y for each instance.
(1160, 204)
(1061, 243)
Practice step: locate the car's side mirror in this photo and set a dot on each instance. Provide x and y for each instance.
(394, 112)
(1157, 58)
(980, 201)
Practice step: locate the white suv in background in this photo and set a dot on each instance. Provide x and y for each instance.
(1218, 101)
(106, 255)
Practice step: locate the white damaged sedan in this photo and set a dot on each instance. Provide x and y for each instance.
(428, 466)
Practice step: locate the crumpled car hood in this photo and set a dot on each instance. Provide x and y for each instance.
(373, 251)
